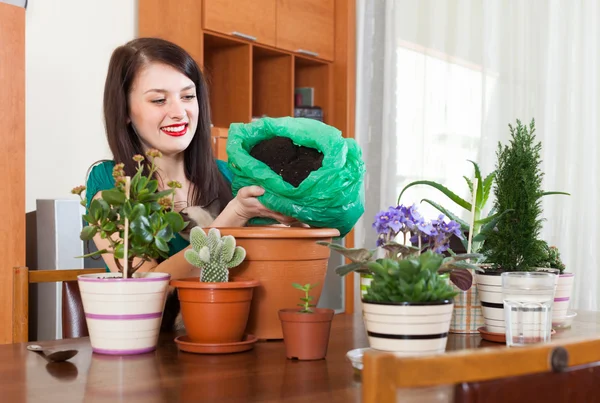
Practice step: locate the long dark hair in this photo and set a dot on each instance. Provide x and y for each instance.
(208, 185)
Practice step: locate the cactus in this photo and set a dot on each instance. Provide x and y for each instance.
(213, 254)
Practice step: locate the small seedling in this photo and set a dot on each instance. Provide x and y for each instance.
(306, 305)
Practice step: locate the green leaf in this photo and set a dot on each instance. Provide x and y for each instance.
(487, 187)
(114, 197)
(89, 218)
(175, 221)
(493, 218)
(463, 224)
(137, 211)
(143, 181)
(140, 228)
(92, 254)
(161, 244)
(109, 226)
(348, 268)
(152, 186)
(454, 197)
(298, 286)
(88, 232)
(555, 193)
(119, 251)
(479, 196)
(165, 233)
(469, 184)
(355, 255)
(155, 221)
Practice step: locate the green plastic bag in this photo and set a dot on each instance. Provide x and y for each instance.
(330, 197)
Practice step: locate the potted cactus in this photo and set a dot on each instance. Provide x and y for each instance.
(124, 310)
(214, 309)
(306, 330)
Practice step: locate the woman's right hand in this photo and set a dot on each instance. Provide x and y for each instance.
(247, 206)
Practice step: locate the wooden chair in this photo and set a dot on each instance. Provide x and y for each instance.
(564, 371)
(72, 308)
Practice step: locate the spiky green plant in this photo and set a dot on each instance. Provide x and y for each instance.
(515, 244)
(213, 254)
(305, 305)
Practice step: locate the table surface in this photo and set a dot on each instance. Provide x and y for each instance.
(168, 375)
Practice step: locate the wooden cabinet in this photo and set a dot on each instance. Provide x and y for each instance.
(306, 27)
(254, 20)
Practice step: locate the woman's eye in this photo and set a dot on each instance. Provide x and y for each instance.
(189, 97)
(158, 101)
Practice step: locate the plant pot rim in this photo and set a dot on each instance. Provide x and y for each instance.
(233, 283)
(112, 277)
(270, 232)
(297, 310)
(441, 302)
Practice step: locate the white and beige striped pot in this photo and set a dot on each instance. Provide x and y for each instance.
(489, 287)
(562, 297)
(408, 329)
(123, 316)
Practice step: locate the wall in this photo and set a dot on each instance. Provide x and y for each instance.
(68, 46)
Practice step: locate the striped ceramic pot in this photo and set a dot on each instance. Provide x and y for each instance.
(562, 297)
(406, 328)
(123, 316)
(489, 287)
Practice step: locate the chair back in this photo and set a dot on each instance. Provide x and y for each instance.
(494, 374)
(73, 318)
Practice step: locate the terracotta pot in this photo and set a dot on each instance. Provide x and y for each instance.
(278, 257)
(215, 312)
(306, 335)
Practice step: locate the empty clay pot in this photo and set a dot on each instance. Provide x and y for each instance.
(306, 335)
(215, 312)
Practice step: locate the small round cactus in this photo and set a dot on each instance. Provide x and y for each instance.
(213, 254)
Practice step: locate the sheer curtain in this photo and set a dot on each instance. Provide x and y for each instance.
(438, 82)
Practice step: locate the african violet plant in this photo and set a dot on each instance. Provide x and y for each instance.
(149, 213)
(414, 279)
(431, 236)
(213, 254)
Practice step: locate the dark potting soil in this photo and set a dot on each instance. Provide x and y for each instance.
(294, 163)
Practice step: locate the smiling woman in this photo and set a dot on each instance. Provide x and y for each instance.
(155, 97)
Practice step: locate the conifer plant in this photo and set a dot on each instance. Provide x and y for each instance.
(516, 244)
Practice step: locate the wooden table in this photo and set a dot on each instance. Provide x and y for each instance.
(168, 375)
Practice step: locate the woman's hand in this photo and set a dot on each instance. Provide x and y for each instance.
(246, 205)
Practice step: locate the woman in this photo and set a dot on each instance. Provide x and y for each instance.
(155, 96)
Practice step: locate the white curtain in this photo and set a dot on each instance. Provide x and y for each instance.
(438, 82)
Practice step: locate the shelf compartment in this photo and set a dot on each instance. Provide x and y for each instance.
(272, 83)
(228, 69)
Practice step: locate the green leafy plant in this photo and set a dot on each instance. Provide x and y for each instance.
(481, 226)
(305, 305)
(213, 254)
(515, 244)
(149, 213)
(413, 279)
(552, 258)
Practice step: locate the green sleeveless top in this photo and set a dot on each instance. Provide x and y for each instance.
(100, 178)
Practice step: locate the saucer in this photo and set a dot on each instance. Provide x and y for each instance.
(247, 343)
(497, 337)
(355, 356)
(566, 322)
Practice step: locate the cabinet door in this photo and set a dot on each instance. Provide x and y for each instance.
(306, 27)
(249, 19)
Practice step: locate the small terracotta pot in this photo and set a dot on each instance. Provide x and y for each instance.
(306, 335)
(215, 313)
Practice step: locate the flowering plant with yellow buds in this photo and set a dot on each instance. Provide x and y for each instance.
(152, 220)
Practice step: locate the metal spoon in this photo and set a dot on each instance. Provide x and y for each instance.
(52, 356)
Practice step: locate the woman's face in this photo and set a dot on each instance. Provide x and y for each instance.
(163, 108)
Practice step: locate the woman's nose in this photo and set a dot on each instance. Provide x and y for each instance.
(177, 111)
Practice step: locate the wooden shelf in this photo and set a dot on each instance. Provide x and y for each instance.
(227, 65)
(309, 72)
(272, 84)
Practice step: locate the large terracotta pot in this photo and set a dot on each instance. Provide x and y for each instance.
(278, 257)
(215, 312)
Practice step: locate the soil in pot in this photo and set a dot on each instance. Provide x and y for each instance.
(293, 163)
(306, 335)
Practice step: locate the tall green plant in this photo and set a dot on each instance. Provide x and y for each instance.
(481, 226)
(515, 244)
